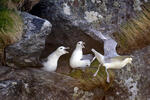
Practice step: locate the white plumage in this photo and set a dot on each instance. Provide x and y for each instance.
(78, 60)
(52, 60)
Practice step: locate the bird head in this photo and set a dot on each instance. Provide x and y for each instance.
(129, 60)
(62, 50)
(80, 44)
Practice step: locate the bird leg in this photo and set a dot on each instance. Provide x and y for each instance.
(97, 70)
(93, 59)
(107, 75)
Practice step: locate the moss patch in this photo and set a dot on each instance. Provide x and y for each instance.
(88, 81)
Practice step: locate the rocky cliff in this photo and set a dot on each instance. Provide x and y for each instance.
(65, 22)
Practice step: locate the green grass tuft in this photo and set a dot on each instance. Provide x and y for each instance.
(11, 27)
(6, 21)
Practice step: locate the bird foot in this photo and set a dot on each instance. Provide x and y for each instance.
(95, 74)
(108, 80)
(96, 71)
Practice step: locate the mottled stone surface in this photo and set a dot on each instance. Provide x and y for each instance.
(133, 82)
(26, 52)
(35, 84)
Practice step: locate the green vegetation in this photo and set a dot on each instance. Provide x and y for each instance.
(88, 81)
(6, 22)
(10, 26)
(135, 33)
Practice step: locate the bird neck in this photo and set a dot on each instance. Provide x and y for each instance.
(125, 62)
(54, 55)
(78, 49)
(98, 55)
(77, 53)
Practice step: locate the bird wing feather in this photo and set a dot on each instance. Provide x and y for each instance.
(87, 57)
(119, 58)
(110, 48)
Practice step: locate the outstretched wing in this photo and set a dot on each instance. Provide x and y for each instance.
(110, 48)
(109, 44)
(88, 57)
(119, 58)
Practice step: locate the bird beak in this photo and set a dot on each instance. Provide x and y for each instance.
(67, 49)
(131, 56)
(83, 44)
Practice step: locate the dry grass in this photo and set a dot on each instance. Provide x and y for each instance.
(12, 4)
(11, 27)
(135, 34)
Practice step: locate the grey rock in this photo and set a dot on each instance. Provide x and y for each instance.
(35, 84)
(26, 52)
(133, 84)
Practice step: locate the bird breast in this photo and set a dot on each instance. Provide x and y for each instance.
(75, 60)
(51, 64)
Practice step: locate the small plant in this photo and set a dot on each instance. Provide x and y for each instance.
(6, 21)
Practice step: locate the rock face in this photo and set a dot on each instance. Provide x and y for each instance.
(34, 84)
(27, 51)
(132, 82)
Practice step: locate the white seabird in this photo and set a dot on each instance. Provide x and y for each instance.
(117, 62)
(78, 60)
(110, 59)
(52, 60)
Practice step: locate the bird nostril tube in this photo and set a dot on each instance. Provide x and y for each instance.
(67, 48)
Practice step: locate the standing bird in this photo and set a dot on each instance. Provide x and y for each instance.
(110, 59)
(78, 60)
(52, 60)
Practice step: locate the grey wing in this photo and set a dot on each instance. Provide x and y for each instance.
(110, 48)
(88, 57)
(119, 58)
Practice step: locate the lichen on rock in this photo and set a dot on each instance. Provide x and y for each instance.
(92, 16)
